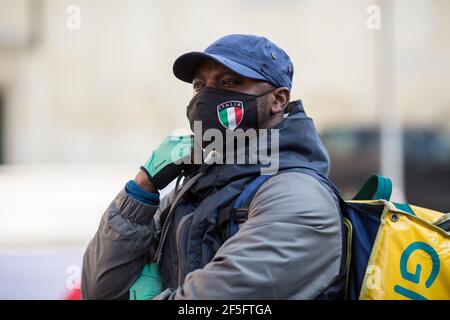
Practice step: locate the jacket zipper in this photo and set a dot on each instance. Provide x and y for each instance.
(178, 233)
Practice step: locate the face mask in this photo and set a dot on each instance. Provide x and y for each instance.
(224, 110)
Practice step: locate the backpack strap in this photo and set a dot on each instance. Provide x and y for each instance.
(229, 217)
(379, 187)
(376, 187)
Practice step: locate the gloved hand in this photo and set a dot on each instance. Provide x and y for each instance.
(168, 160)
(148, 285)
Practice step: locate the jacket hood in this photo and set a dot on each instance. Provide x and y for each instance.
(299, 146)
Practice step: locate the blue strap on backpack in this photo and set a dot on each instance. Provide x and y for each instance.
(238, 212)
(248, 193)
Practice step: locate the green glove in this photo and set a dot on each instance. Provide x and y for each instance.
(148, 285)
(168, 160)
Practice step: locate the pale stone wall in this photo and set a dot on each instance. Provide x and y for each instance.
(106, 93)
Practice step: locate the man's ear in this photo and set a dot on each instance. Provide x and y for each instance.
(280, 99)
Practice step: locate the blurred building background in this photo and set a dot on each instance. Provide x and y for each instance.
(81, 108)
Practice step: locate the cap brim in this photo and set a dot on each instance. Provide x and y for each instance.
(186, 65)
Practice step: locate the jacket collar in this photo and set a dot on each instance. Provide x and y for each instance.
(299, 146)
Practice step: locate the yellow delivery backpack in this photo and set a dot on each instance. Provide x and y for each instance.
(395, 251)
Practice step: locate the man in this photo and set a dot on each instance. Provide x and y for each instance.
(289, 246)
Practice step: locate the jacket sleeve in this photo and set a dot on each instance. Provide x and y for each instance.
(120, 248)
(289, 248)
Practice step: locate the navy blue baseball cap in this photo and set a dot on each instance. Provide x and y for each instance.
(248, 55)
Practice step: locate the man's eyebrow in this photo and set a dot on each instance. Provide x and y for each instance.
(217, 75)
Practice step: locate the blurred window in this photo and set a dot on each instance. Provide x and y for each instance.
(355, 154)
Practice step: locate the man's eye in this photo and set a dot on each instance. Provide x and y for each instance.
(228, 82)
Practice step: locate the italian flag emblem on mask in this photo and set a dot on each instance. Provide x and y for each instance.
(230, 114)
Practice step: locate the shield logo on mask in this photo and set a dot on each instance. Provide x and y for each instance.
(230, 114)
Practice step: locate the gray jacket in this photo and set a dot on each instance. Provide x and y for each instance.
(290, 247)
